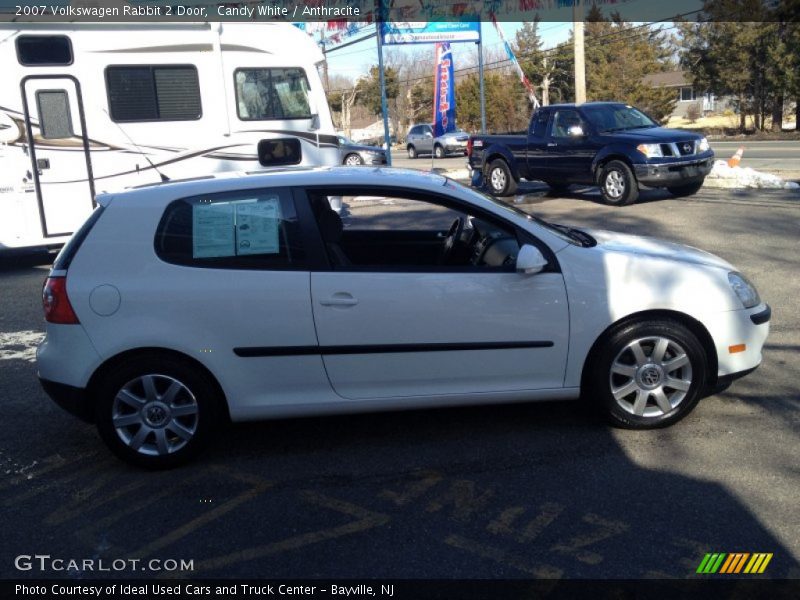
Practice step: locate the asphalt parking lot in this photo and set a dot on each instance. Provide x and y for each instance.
(518, 491)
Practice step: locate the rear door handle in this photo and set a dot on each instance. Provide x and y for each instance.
(339, 299)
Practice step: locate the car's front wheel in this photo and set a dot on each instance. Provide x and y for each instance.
(690, 189)
(501, 181)
(618, 185)
(156, 411)
(353, 160)
(647, 374)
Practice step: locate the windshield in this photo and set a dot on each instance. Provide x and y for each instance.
(616, 117)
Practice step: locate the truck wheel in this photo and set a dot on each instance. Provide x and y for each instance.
(618, 186)
(690, 189)
(438, 151)
(501, 181)
(412, 152)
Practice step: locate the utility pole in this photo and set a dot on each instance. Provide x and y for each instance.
(580, 63)
(324, 62)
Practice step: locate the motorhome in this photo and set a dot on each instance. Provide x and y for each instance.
(91, 107)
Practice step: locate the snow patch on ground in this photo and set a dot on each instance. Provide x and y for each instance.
(19, 345)
(724, 176)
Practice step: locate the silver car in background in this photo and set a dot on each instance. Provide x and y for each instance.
(420, 140)
(354, 154)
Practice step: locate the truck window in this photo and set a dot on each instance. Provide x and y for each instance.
(272, 93)
(563, 120)
(539, 129)
(44, 50)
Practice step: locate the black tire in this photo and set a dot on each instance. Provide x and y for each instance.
(438, 151)
(690, 189)
(601, 383)
(358, 160)
(202, 423)
(412, 152)
(499, 178)
(623, 180)
(557, 188)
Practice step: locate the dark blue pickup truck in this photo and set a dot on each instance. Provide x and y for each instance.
(608, 144)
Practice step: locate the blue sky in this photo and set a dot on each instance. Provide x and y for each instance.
(356, 60)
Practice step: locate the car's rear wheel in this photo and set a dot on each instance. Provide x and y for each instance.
(690, 189)
(501, 181)
(156, 411)
(353, 160)
(438, 151)
(412, 152)
(618, 185)
(648, 374)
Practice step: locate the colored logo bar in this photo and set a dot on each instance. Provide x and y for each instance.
(734, 563)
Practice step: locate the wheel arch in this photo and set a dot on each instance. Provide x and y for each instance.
(602, 161)
(114, 361)
(692, 324)
(493, 156)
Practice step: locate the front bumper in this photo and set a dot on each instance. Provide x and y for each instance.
(73, 400)
(733, 329)
(373, 159)
(680, 172)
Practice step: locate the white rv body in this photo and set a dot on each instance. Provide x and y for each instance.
(138, 101)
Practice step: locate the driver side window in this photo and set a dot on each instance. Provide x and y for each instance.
(374, 231)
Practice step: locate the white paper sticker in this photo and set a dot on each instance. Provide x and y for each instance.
(213, 228)
(257, 226)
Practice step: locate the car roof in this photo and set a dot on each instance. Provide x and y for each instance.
(279, 177)
(573, 105)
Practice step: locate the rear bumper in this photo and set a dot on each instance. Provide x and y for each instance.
(673, 173)
(73, 400)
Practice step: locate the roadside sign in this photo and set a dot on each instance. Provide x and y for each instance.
(408, 32)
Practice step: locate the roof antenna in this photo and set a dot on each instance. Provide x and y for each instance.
(164, 178)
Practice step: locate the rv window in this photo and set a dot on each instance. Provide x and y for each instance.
(55, 120)
(44, 50)
(269, 94)
(153, 93)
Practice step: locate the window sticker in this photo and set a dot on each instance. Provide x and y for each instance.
(257, 226)
(213, 227)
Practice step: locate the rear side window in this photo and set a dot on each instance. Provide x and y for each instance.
(540, 124)
(70, 249)
(44, 50)
(153, 93)
(251, 229)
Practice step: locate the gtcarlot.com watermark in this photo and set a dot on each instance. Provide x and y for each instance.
(46, 563)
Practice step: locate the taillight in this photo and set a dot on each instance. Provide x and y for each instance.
(469, 147)
(57, 308)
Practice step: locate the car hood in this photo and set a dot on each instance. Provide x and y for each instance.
(654, 135)
(456, 136)
(362, 148)
(655, 248)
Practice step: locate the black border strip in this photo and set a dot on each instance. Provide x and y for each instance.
(261, 351)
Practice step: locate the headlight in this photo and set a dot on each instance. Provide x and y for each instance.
(703, 146)
(650, 150)
(745, 290)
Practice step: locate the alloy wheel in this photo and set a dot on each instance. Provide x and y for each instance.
(615, 184)
(650, 376)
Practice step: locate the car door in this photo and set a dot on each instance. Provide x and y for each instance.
(537, 156)
(426, 139)
(572, 152)
(421, 329)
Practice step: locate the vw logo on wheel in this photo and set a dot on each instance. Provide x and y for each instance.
(651, 376)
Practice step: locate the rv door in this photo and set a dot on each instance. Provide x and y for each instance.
(58, 145)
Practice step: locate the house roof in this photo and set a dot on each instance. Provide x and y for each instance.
(667, 79)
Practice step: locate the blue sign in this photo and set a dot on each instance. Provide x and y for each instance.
(444, 100)
(402, 32)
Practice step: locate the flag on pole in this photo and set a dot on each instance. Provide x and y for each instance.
(515, 62)
(444, 96)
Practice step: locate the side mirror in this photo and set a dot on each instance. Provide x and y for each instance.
(530, 260)
(428, 134)
(314, 125)
(575, 131)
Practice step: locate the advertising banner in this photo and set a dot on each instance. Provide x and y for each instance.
(402, 32)
(444, 99)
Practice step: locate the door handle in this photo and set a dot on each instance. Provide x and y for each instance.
(339, 299)
(551, 144)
